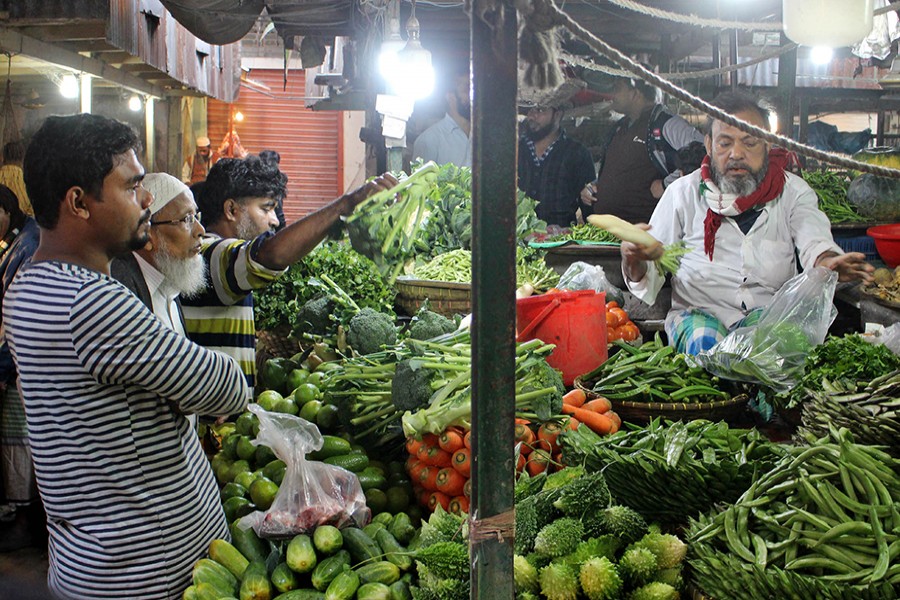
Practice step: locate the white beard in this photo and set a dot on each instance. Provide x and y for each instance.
(186, 275)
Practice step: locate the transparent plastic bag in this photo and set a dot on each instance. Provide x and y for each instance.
(584, 276)
(773, 351)
(312, 493)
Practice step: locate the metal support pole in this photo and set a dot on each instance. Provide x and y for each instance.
(733, 51)
(494, 52)
(787, 75)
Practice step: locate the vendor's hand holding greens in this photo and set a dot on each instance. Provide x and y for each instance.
(667, 263)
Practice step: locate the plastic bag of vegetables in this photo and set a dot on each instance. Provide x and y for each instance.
(312, 493)
(773, 351)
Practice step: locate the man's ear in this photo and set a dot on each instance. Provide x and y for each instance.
(707, 141)
(230, 210)
(75, 203)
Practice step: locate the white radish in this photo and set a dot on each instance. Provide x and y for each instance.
(623, 230)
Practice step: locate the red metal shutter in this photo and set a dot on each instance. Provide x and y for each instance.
(308, 141)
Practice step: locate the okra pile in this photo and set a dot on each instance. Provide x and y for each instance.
(824, 523)
(653, 372)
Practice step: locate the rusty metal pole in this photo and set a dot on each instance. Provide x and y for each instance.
(494, 53)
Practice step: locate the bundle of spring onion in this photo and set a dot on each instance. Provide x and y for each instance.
(670, 260)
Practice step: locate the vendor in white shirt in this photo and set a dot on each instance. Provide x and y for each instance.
(743, 217)
(448, 141)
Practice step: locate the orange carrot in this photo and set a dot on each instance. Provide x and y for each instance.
(434, 456)
(598, 423)
(459, 505)
(462, 461)
(525, 435)
(573, 423)
(614, 416)
(430, 439)
(558, 459)
(413, 445)
(575, 398)
(520, 463)
(467, 489)
(428, 478)
(467, 439)
(424, 496)
(450, 481)
(451, 440)
(415, 470)
(520, 421)
(598, 405)
(548, 432)
(438, 498)
(538, 462)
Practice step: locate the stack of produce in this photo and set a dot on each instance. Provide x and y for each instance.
(871, 412)
(583, 233)
(363, 564)
(442, 558)
(885, 285)
(456, 266)
(831, 189)
(619, 325)
(375, 390)
(570, 543)
(822, 524)
(671, 471)
(653, 372)
(596, 414)
(440, 467)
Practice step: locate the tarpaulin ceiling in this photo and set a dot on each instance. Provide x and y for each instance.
(222, 22)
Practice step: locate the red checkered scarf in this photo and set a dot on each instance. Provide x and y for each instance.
(728, 205)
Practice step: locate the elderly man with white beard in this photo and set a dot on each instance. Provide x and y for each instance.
(169, 265)
(746, 222)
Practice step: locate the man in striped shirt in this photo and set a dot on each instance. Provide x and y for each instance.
(244, 253)
(131, 500)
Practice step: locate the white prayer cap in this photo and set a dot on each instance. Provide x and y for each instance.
(203, 141)
(164, 188)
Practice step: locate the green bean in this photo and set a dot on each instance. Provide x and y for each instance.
(884, 557)
(734, 542)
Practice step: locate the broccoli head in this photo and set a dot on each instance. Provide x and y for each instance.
(410, 387)
(370, 331)
(428, 325)
(315, 316)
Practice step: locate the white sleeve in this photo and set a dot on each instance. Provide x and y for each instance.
(810, 227)
(186, 172)
(666, 225)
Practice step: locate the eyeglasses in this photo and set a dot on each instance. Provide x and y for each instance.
(186, 221)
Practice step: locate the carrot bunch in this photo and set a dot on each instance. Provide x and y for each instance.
(439, 468)
(618, 325)
(537, 446)
(597, 414)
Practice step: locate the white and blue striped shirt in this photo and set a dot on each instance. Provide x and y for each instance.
(131, 500)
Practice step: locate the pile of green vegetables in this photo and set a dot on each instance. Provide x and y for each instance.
(430, 381)
(428, 213)
(279, 304)
(670, 471)
(822, 524)
(456, 266)
(831, 188)
(653, 372)
(840, 363)
(584, 233)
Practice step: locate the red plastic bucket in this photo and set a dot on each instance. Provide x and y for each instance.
(574, 321)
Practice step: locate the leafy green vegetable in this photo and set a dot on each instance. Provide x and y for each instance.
(280, 303)
(831, 188)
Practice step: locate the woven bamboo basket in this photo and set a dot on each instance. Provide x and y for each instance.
(444, 297)
(275, 343)
(643, 412)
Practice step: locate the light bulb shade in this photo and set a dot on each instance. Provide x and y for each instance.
(134, 103)
(832, 23)
(388, 61)
(412, 76)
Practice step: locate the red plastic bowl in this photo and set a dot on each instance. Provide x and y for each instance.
(887, 242)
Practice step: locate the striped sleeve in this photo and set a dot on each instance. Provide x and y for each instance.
(122, 342)
(233, 269)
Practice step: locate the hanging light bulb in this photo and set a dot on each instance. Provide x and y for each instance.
(68, 86)
(821, 55)
(831, 23)
(413, 76)
(134, 103)
(388, 62)
(238, 116)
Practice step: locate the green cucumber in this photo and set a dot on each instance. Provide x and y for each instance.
(301, 556)
(255, 583)
(401, 528)
(383, 518)
(372, 528)
(284, 579)
(228, 556)
(215, 575)
(328, 569)
(392, 549)
(354, 462)
(327, 539)
(371, 478)
(400, 591)
(343, 587)
(332, 445)
(382, 571)
(304, 594)
(373, 591)
(248, 543)
(362, 548)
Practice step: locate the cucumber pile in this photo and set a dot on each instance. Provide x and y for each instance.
(325, 564)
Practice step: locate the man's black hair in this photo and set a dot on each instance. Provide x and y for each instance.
(238, 179)
(10, 203)
(647, 90)
(13, 151)
(78, 150)
(735, 102)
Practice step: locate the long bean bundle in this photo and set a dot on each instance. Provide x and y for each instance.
(831, 188)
